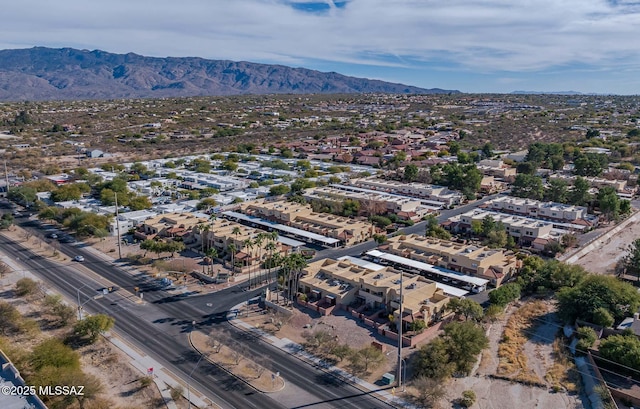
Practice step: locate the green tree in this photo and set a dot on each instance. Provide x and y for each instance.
(139, 203)
(9, 318)
(465, 340)
(487, 150)
(434, 229)
(596, 291)
(380, 221)
(586, 338)
(91, 327)
(609, 202)
(579, 195)
(279, 190)
(370, 357)
(467, 308)
(556, 191)
(301, 184)
(6, 221)
(631, 260)
(528, 186)
(505, 294)
(206, 204)
(54, 353)
(623, 349)
(602, 317)
(410, 173)
(433, 360)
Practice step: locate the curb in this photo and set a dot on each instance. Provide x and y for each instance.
(392, 401)
(231, 373)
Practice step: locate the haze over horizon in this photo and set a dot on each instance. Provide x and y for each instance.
(494, 46)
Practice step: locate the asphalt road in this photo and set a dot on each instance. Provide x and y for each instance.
(418, 228)
(160, 329)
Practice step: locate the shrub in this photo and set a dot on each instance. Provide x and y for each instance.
(26, 286)
(146, 381)
(587, 337)
(468, 399)
(176, 393)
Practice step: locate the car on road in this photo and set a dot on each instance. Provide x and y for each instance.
(67, 239)
(78, 258)
(53, 236)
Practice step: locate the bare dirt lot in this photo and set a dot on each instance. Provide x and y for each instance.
(122, 384)
(603, 259)
(536, 357)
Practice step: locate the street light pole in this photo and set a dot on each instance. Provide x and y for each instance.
(190, 379)
(399, 375)
(118, 227)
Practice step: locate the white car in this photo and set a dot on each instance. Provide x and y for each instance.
(78, 258)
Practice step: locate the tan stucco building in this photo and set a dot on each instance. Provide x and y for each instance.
(479, 261)
(344, 284)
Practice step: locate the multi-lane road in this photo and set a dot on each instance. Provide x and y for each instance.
(160, 327)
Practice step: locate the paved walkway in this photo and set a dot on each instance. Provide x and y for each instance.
(298, 351)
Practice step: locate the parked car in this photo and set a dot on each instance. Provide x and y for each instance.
(78, 258)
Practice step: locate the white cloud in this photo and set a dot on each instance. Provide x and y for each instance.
(481, 35)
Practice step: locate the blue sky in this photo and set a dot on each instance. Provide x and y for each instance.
(469, 45)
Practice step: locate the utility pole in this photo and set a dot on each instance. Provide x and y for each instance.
(6, 177)
(118, 228)
(399, 376)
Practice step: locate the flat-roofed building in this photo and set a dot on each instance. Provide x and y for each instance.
(168, 225)
(537, 209)
(348, 231)
(370, 203)
(251, 247)
(341, 283)
(277, 211)
(496, 168)
(524, 229)
(420, 190)
(618, 185)
(479, 261)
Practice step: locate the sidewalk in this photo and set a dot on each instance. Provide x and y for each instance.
(163, 378)
(297, 351)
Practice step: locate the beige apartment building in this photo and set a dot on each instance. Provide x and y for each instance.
(168, 226)
(618, 185)
(491, 264)
(525, 230)
(496, 168)
(342, 283)
(537, 209)
(348, 231)
(434, 193)
(250, 247)
(370, 203)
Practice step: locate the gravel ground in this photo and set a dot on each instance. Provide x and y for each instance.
(603, 260)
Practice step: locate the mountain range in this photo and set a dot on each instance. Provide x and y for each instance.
(42, 73)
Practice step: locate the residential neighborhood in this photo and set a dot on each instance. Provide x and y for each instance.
(402, 231)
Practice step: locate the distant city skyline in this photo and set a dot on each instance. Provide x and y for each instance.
(499, 46)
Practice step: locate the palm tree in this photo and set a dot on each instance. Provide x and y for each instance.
(270, 247)
(297, 263)
(248, 244)
(212, 253)
(204, 229)
(260, 237)
(232, 248)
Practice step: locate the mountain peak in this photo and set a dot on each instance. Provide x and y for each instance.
(42, 73)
